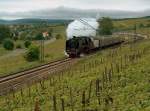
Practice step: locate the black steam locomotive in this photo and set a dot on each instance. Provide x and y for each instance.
(83, 45)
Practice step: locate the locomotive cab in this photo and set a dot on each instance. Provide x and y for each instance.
(78, 45)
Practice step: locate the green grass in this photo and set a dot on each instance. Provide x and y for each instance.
(10, 63)
(53, 51)
(130, 86)
(3, 51)
(129, 24)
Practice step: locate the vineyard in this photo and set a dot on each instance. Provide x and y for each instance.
(115, 79)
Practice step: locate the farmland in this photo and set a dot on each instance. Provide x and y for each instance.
(115, 79)
(12, 61)
(17, 62)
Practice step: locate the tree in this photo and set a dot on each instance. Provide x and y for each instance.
(8, 44)
(39, 36)
(33, 53)
(4, 33)
(27, 43)
(19, 46)
(141, 25)
(106, 26)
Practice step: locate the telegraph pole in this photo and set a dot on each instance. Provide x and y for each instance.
(42, 49)
(135, 37)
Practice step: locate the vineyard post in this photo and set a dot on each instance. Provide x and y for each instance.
(83, 101)
(71, 99)
(103, 80)
(36, 87)
(98, 90)
(121, 63)
(37, 108)
(13, 92)
(105, 74)
(62, 104)
(21, 92)
(54, 103)
(50, 82)
(112, 70)
(90, 89)
(29, 91)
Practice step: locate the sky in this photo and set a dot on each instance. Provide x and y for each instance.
(31, 5)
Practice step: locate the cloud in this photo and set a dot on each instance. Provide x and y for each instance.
(29, 5)
(71, 13)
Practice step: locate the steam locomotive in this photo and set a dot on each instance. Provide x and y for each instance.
(82, 38)
(78, 46)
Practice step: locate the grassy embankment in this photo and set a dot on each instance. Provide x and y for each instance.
(111, 80)
(12, 61)
(142, 25)
(9, 64)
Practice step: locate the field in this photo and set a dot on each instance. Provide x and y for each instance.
(129, 24)
(113, 79)
(13, 61)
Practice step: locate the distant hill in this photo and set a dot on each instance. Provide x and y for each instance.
(74, 13)
(35, 21)
(51, 21)
(146, 17)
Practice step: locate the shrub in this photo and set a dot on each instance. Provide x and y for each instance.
(148, 25)
(39, 36)
(27, 43)
(8, 44)
(106, 26)
(33, 53)
(58, 36)
(4, 33)
(141, 25)
(18, 46)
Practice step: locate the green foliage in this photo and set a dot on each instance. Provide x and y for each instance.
(58, 36)
(19, 46)
(141, 25)
(39, 36)
(148, 25)
(92, 84)
(106, 26)
(33, 53)
(8, 44)
(4, 33)
(27, 43)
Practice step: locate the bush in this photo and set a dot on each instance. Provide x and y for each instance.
(27, 43)
(4, 33)
(141, 25)
(18, 46)
(33, 53)
(58, 36)
(8, 44)
(148, 25)
(39, 36)
(106, 26)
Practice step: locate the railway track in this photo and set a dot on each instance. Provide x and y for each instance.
(18, 80)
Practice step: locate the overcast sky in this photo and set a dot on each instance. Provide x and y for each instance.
(30, 5)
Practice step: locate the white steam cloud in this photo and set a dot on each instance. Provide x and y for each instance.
(82, 27)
